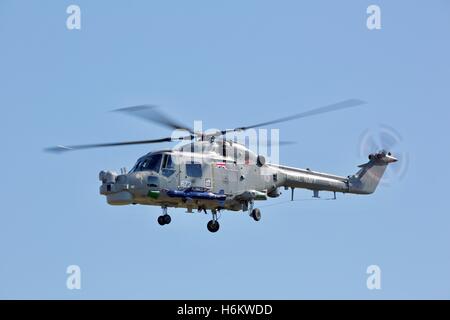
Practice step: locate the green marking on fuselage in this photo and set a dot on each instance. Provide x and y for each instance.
(153, 194)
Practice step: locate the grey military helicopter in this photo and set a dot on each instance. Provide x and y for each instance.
(213, 173)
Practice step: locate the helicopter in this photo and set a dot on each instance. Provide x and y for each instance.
(210, 172)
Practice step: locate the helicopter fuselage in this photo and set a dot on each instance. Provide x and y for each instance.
(196, 176)
(223, 175)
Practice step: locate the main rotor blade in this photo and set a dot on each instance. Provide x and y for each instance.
(151, 113)
(60, 149)
(325, 109)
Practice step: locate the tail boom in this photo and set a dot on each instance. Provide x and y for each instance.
(365, 181)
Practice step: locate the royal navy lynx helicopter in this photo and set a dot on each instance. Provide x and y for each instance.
(212, 173)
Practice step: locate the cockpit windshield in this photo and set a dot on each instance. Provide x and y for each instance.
(150, 163)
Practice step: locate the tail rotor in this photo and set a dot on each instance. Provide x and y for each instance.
(385, 140)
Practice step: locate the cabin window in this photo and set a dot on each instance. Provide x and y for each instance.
(194, 170)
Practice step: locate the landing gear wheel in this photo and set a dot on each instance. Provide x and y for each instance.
(161, 220)
(167, 219)
(256, 214)
(213, 226)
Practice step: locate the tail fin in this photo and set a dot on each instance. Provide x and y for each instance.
(366, 180)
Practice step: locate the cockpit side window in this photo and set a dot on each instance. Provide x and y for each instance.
(168, 167)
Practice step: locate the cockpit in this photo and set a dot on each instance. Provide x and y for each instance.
(159, 162)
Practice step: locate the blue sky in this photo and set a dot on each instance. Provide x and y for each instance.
(228, 63)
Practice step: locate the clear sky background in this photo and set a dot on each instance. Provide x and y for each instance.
(228, 63)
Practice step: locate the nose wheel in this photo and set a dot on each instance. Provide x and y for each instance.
(164, 218)
(213, 225)
(256, 214)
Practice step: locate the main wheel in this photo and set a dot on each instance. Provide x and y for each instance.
(256, 214)
(161, 220)
(213, 226)
(166, 219)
